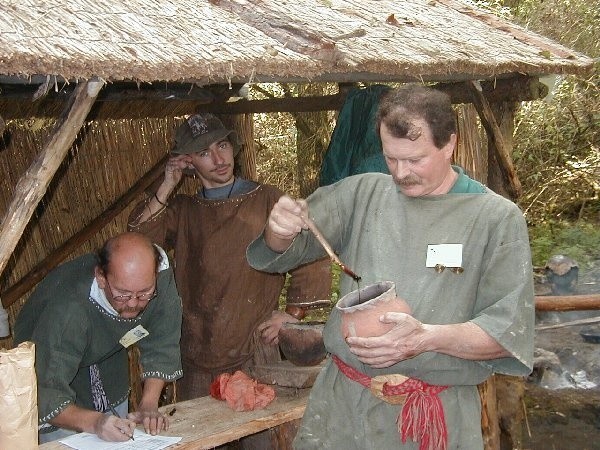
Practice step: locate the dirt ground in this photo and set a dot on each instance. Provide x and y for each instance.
(566, 418)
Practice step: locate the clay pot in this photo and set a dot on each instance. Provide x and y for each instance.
(302, 342)
(362, 308)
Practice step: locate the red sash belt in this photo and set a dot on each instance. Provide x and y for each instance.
(421, 416)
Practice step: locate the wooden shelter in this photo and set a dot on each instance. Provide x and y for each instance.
(90, 93)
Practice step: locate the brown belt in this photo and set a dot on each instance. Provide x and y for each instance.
(421, 416)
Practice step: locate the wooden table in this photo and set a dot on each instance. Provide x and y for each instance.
(205, 423)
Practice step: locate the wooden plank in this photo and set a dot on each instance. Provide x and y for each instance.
(205, 423)
(33, 184)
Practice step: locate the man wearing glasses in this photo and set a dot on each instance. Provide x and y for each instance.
(82, 318)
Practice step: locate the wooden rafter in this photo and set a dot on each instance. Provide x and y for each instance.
(33, 184)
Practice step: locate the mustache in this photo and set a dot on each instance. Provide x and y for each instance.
(135, 309)
(220, 166)
(407, 181)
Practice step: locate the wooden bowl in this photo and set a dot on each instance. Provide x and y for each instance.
(302, 342)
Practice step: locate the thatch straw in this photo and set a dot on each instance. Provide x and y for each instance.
(266, 40)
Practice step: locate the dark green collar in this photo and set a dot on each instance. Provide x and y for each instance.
(465, 185)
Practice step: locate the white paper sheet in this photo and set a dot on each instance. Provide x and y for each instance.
(143, 441)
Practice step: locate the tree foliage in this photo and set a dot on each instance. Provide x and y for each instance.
(557, 141)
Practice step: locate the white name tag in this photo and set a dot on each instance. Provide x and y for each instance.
(133, 335)
(449, 255)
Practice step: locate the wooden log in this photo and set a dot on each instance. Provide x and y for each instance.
(514, 89)
(17, 290)
(495, 136)
(33, 184)
(567, 302)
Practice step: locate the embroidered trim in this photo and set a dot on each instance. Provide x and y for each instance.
(55, 412)
(237, 199)
(116, 318)
(123, 398)
(163, 376)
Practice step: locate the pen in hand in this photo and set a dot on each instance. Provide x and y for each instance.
(115, 413)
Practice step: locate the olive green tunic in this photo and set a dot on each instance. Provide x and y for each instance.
(72, 331)
(383, 235)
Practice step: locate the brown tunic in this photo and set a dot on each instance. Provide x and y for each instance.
(224, 299)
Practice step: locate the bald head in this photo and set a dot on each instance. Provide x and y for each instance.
(128, 252)
(127, 272)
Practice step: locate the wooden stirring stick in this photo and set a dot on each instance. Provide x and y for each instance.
(312, 227)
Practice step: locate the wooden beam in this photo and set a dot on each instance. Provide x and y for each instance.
(503, 153)
(33, 184)
(518, 88)
(17, 290)
(567, 302)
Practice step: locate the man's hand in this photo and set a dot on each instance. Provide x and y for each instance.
(174, 170)
(114, 429)
(152, 420)
(147, 414)
(269, 329)
(285, 222)
(404, 341)
(410, 338)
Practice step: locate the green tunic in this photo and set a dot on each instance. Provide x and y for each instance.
(383, 235)
(72, 331)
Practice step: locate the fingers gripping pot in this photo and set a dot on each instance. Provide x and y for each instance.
(361, 309)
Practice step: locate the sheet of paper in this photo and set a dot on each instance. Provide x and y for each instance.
(449, 255)
(143, 441)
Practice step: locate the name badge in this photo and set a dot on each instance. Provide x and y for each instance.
(133, 335)
(448, 255)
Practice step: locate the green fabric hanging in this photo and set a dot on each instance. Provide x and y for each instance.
(355, 146)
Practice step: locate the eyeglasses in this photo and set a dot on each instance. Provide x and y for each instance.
(142, 297)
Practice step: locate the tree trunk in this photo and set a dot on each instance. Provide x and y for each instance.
(312, 138)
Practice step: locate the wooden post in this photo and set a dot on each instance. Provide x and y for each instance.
(498, 120)
(490, 425)
(499, 144)
(33, 184)
(244, 125)
(17, 290)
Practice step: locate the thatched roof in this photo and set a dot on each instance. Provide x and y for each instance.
(224, 41)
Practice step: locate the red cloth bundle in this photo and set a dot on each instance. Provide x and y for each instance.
(241, 392)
